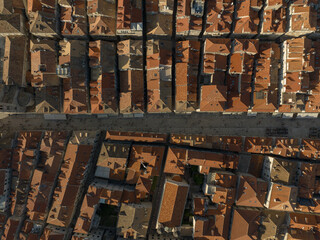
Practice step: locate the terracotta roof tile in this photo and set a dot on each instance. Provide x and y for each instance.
(215, 23)
(310, 148)
(102, 86)
(302, 221)
(95, 195)
(258, 145)
(112, 161)
(294, 234)
(70, 178)
(173, 203)
(213, 98)
(144, 161)
(131, 91)
(217, 46)
(128, 15)
(245, 224)
(303, 18)
(159, 86)
(102, 26)
(286, 147)
(281, 197)
(10, 229)
(176, 161)
(66, 14)
(275, 18)
(159, 24)
(207, 160)
(53, 233)
(188, 54)
(13, 63)
(307, 180)
(136, 136)
(247, 17)
(133, 220)
(251, 191)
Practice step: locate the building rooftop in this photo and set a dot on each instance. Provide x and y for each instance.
(281, 197)
(136, 136)
(145, 161)
(173, 201)
(258, 145)
(69, 183)
(275, 224)
(133, 220)
(112, 161)
(286, 147)
(245, 224)
(176, 161)
(10, 229)
(251, 191)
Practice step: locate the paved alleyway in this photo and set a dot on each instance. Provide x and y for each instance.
(198, 123)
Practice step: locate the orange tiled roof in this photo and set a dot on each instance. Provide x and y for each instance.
(275, 18)
(231, 143)
(199, 203)
(190, 140)
(25, 160)
(43, 68)
(303, 17)
(245, 224)
(27, 230)
(131, 91)
(287, 147)
(102, 25)
(65, 14)
(51, 150)
(225, 179)
(218, 46)
(258, 145)
(10, 229)
(176, 161)
(238, 100)
(28, 139)
(136, 136)
(215, 23)
(208, 160)
(188, 54)
(310, 148)
(84, 221)
(114, 158)
(299, 69)
(102, 86)
(247, 17)
(266, 79)
(159, 87)
(251, 191)
(173, 203)
(52, 234)
(128, 196)
(224, 196)
(146, 160)
(302, 221)
(213, 98)
(216, 228)
(75, 101)
(282, 198)
(69, 182)
(127, 14)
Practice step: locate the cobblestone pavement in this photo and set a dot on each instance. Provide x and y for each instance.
(197, 123)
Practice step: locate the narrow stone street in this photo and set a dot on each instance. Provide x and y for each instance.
(197, 123)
